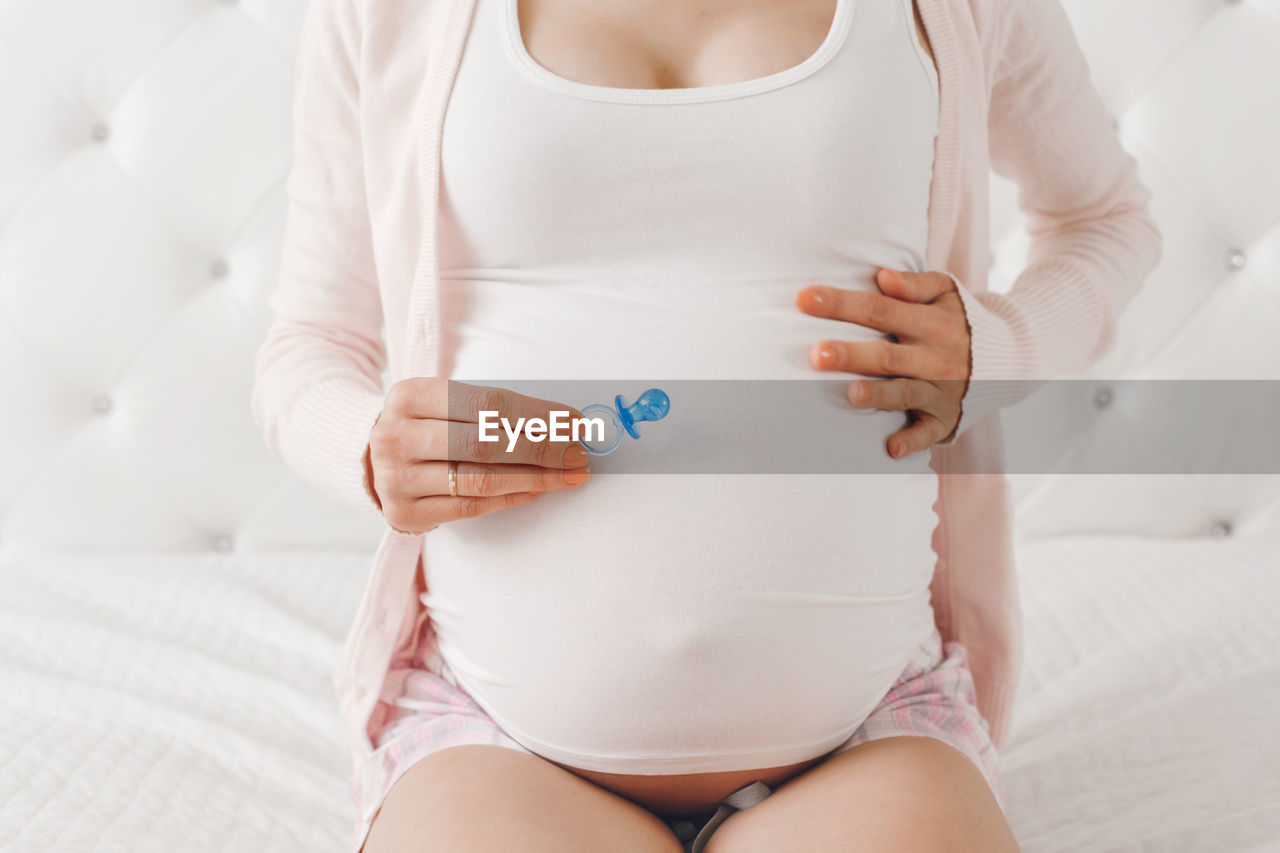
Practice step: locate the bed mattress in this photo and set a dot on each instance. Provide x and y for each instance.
(162, 702)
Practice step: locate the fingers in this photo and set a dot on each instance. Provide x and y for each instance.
(447, 400)
(428, 439)
(875, 358)
(418, 495)
(428, 512)
(898, 395)
(435, 420)
(921, 287)
(922, 434)
(874, 310)
(465, 443)
(924, 347)
(476, 480)
(932, 406)
(466, 402)
(480, 480)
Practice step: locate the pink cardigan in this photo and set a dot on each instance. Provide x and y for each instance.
(372, 82)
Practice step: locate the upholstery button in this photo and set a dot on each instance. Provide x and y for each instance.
(219, 268)
(99, 132)
(101, 403)
(1235, 258)
(1221, 530)
(1102, 397)
(222, 542)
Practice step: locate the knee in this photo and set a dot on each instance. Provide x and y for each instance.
(894, 794)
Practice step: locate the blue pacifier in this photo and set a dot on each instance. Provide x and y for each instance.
(652, 405)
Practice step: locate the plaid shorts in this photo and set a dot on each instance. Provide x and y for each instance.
(933, 697)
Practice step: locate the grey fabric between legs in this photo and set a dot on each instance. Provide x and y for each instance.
(695, 839)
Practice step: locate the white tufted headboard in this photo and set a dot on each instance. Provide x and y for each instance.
(142, 172)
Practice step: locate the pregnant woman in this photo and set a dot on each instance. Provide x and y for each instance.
(549, 658)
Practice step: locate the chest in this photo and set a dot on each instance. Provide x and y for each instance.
(663, 44)
(803, 171)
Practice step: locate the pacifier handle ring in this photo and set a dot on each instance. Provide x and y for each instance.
(617, 433)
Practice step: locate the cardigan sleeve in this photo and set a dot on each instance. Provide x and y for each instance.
(1092, 239)
(317, 387)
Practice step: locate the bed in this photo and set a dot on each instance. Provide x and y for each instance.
(159, 701)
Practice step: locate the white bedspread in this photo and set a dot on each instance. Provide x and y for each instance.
(162, 702)
(1149, 718)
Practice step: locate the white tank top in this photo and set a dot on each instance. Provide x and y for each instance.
(682, 623)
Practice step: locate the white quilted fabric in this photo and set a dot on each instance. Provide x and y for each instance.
(141, 180)
(142, 163)
(1149, 715)
(1147, 721)
(161, 703)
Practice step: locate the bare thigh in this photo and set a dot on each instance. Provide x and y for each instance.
(891, 795)
(490, 799)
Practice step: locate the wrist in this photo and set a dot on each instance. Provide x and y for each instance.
(995, 362)
(369, 488)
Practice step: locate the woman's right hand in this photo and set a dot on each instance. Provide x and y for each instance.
(428, 422)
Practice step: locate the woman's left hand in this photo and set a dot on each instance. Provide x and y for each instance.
(929, 355)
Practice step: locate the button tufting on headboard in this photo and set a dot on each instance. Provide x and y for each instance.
(142, 175)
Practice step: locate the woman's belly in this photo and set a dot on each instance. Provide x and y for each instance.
(673, 624)
(645, 628)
